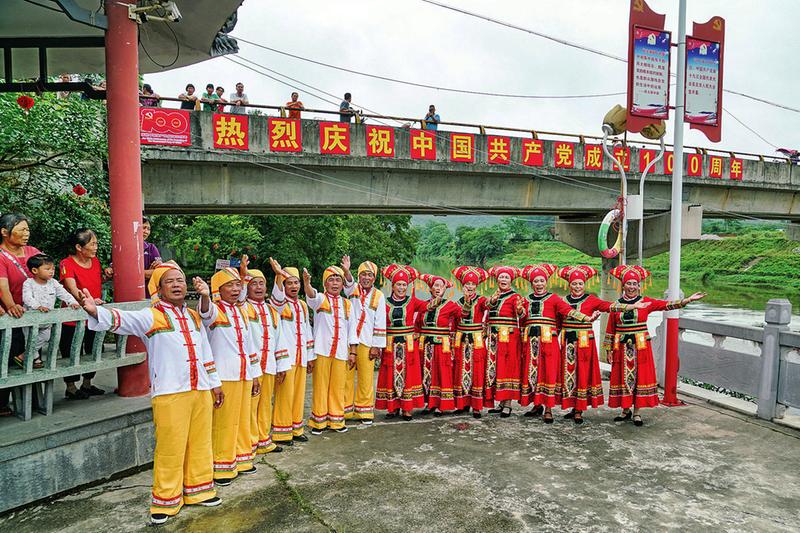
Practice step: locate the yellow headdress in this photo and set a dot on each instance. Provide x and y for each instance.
(220, 278)
(368, 266)
(155, 280)
(332, 270)
(255, 273)
(292, 271)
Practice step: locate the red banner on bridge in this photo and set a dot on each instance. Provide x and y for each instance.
(423, 144)
(285, 134)
(694, 165)
(533, 153)
(645, 156)
(669, 163)
(168, 127)
(462, 147)
(715, 167)
(334, 138)
(499, 150)
(564, 154)
(736, 169)
(623, 154)
(593, 157)
(231, 131)
(380, 141)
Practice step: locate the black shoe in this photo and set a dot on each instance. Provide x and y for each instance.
(366, 422)
(578, 419)
(495, 410)
(341, 430)
(548, 418)
(276, 449)
(80, 394)
(389, 416)
(223, 482)
(285, 442)
(437, 414)
(637, 421)
(300, 438)
(158, 518)
(211, 502)
(408, 418)
(92, 391)
(625, 416)
(426, 411)
(476, 414)
(316, 431)
(504, 413)
(251, 470)
(569, 415)
(536, 411)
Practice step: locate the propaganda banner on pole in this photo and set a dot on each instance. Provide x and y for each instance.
(648, 82)
(704, 61)
(166, 127)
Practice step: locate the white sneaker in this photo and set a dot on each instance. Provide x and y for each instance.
(316, 431)
(211, 502)
(367, 421)
(341, 430)
(158, 518)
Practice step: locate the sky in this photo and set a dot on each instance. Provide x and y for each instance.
(420, 42)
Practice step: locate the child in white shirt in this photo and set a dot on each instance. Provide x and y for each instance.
(40, 293)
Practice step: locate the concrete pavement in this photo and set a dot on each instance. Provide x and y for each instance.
(691, 468)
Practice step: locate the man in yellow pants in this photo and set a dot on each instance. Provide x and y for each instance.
(184, 387)
(295, 330)
(367, 338)
(331, 316)
(239, 367)
(274, 360)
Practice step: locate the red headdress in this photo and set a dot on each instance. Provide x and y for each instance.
(571, 273)
(510, 270)
(395, 273)
(545, 270)
(430, 279)
(626, 273)
(465, 274)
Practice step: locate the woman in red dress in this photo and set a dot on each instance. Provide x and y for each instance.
(504, 350)
(469, 371)
(435, 325)
(580, 367)
(399, 378)
(628, 349)
(541, 361)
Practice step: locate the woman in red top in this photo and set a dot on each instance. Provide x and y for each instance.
(81, 270)
(504, 350)
(580, 366)
(436, 323)
(399, 378)
(469, 372)
(627, 345)
(14, 255)
(541, 376)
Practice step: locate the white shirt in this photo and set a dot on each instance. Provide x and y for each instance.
(295, 327)
(231, 342)
(274, 355)
(368, 320)
(178, 352)
(331, 317)
(35, 295)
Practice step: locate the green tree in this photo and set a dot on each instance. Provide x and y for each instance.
(199, 243)
(475, 245)
(436, 241)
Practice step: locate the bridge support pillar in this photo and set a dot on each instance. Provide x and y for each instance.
(777, 317)
(793, 232)
(125, 177)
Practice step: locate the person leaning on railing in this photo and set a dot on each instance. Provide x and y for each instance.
(81, 270)
(14, 254)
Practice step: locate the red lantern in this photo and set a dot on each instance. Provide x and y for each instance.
(25, 102)
(79, 190)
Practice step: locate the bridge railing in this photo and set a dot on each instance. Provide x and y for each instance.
(760, 362)
(33, 387)
(282, 110)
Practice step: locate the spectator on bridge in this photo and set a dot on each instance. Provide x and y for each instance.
(345, 111)
(184, 387)
(152, 257)
(239, 100)
(431, 119)
(64, 78)
(39, 293)
(209, 98)
(627, 345)
(81, 270)
(222, 101)
(295, 106)
(148, 98)
(14, 255)
(189, 99)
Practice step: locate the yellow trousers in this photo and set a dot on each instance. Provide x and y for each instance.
(230, 433)
(327, 400)
(290, 399)
(183, 465)
(359, 402)
(261, 419)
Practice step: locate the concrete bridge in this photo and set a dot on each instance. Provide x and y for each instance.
(201, 179)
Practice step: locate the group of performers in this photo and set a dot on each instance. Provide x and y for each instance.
(229, 378)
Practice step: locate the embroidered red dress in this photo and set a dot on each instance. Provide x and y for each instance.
(469, 371)
(400, 377)
(435, 328)
(504, 350)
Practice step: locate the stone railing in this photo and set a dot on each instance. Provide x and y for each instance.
(761, 362)
(33, 388)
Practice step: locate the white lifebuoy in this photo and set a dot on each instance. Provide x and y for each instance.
(602, 235)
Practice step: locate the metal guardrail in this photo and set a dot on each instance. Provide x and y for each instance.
(283, 110)
(33, 388)
(770, 372)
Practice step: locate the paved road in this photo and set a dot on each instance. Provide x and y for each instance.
(691, 468)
